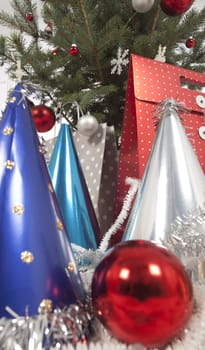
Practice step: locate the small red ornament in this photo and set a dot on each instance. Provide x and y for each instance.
(43, 117)
(190, 43)
(142, 293)
(175, 7)
(48, 31)
(73, 50)
(54, 52)
(48, 28)
(29, 17)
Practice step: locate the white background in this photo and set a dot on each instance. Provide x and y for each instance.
(5, 83)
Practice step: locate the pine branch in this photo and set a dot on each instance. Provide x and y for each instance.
(95, 51)
(49, 12)
(98, 28)
(8, 21)
(30, 28)
(156, 18)
(119, 34)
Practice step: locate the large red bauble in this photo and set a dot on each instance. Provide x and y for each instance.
(142, 293)
(43, 117)
(175, 7)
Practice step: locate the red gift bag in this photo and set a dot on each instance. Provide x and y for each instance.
(149, 83)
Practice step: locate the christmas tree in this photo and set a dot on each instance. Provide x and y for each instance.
(78, 51)
(136, 295)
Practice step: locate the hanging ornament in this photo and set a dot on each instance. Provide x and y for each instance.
(190, 43)
(44, 118)
(29, 17)
(73, 50)
(142, 293)
(87, 125)
(120, 62)
(142, 5)
(54, 52)
(160, 56)
(48, 31)
(175, 7)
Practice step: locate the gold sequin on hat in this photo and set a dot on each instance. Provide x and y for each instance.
(8, 131)
(12, 99)
(70, 267)
(27, 257)
(59, 225)
(50, 187)
(18, 209)
(9, 164)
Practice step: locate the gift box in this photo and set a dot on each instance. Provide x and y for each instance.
(149, 83)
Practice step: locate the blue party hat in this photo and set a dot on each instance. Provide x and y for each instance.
(37, 265)
(72, 192)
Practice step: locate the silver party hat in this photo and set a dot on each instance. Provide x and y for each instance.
(173, 183)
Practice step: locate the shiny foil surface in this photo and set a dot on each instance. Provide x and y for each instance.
(173, 184)
(34, 251)
(142, 294)
(72, 192)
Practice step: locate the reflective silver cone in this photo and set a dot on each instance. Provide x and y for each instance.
(173, 183)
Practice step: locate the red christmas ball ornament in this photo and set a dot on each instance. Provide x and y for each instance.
(54, 52)
(175, 7)
(190, 43)
(73, 50)
(43, 117)
(142, 294)
(29, 17)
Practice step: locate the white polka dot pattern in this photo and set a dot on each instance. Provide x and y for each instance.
(49, 147)
(98, 158)
(149, 83)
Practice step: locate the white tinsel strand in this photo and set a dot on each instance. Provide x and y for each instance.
(87, 260)
(134, 184)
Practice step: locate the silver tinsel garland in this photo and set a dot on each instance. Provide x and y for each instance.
(76, 328)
